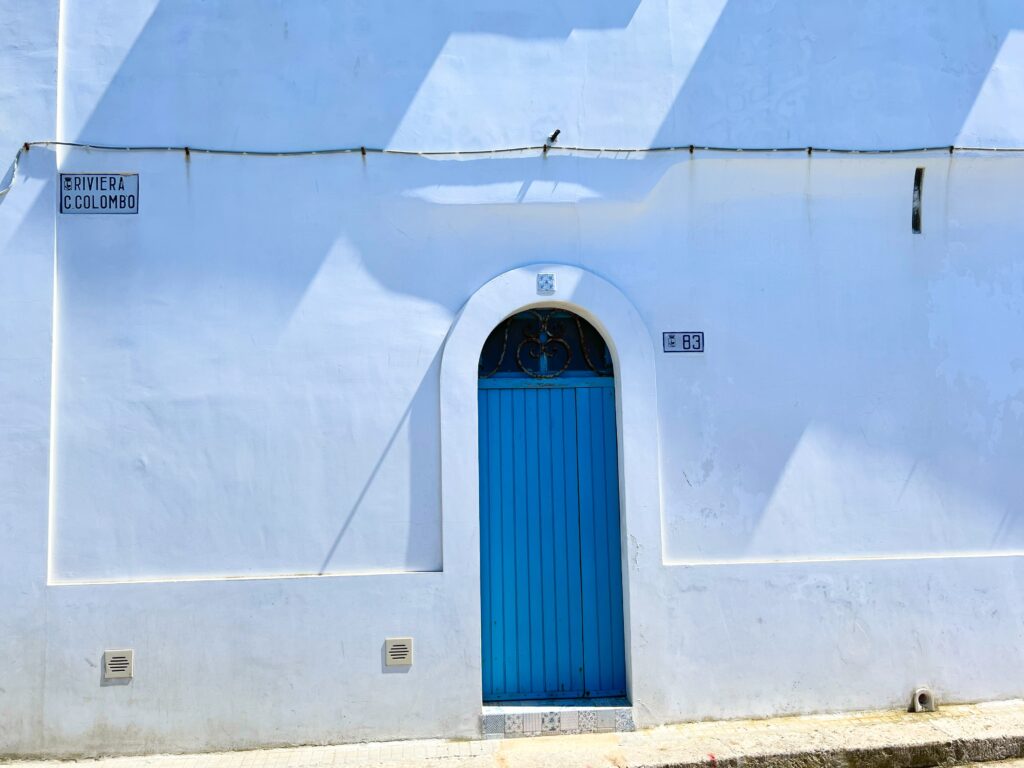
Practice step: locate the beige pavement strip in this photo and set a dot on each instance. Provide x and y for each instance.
(954, 735)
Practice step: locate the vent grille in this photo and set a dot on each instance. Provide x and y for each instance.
(117, 665)
(398, 652)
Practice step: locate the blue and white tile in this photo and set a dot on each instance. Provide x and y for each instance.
(587, 721)
(551, 722)
(513, 725)
(624, 721)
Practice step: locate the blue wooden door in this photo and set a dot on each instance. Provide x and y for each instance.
(551, 581)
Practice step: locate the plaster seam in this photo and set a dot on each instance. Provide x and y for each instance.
(55, 313)
(51, 503)
(254, 577)
(850, 559)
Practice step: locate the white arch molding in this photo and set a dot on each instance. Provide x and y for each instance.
(629, 340)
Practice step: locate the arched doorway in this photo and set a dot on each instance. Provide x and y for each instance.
(550, 560)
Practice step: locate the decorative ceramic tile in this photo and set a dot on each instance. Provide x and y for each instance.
(550, 722)
(570, 721)
(493, 725)
(513, 725)
(545, 283)
(531, 724)
(624, 720)
(605, 720)
(587, 721)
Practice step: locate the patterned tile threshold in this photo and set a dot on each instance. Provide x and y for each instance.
(499, 722)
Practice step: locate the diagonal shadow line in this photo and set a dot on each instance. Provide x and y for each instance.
(376, 468)
(366, 486)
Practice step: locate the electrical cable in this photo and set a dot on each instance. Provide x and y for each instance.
(544, 148)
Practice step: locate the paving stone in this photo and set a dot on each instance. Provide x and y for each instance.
(955, 735)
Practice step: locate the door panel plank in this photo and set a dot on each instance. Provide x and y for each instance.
(611, 476)
(520, 557)
(588, 545)
(533, 563)
(486, 563)
(603, 593)
(571, 521)
(510, 661)
(546, 472)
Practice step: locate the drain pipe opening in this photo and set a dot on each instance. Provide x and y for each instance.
(923, 700)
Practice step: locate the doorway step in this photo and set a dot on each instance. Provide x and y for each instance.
(560, 718)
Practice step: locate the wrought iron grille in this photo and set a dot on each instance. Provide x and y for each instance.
(545, 344)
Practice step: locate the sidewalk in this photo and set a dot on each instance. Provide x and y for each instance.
(954, 735)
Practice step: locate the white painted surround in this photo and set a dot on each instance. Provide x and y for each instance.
(610, 312)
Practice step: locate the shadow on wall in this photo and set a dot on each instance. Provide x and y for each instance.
(849, 74)
(471, 75)
(421, 419)
(275, 75)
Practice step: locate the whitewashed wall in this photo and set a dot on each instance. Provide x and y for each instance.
(246, 377)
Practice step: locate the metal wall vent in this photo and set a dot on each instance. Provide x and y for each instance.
(398, 652)
(117, 665)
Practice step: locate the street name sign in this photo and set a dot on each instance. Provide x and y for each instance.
(99, 193)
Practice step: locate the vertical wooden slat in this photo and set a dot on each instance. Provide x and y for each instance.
(521, 558)
(548, 538)
(604, 521)
(486, 620)
(532, 564)
(496, 486)
(611, 476)
(588, 552)
(564, 632)
(569, 481)
(510, 662)
(602, 578)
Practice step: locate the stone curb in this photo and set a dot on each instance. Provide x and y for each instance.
(923, 755)
(955, 735)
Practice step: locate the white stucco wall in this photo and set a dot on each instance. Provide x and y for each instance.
(257, 456)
